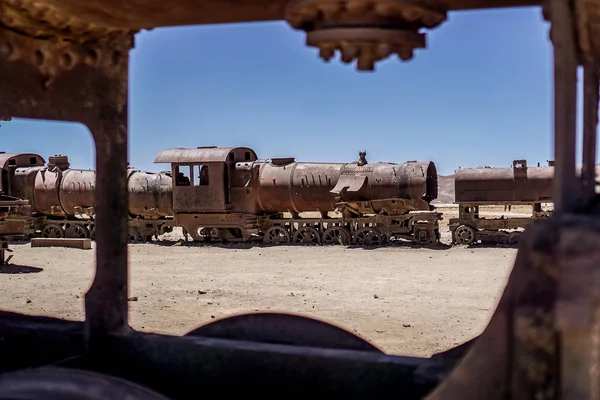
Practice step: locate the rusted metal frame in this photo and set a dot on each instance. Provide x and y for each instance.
(106, 302)
(29, 341)
(577, 317)
(86, 83)
(178, 366)
(565, 101)
(591, 80)
(578, 312)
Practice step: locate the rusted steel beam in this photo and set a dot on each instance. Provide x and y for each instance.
(106, 302)
(144, 14)
(565, 100)
(87, 83)
(590, 130)
(177, 366)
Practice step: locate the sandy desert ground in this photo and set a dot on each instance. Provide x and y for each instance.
(405, 300)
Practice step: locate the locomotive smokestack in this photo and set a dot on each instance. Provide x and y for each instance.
(362, 158)
(59, 161)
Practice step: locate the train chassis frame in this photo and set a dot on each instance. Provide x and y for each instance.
(419, 227)
(469, 227)
(547, 319)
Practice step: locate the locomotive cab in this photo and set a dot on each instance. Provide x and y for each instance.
(9, 162)
(205, 189)
(202, 176)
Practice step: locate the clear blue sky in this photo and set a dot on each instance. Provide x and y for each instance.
(480, 94)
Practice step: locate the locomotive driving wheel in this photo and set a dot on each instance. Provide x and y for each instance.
(134, 235)
(276, 235)
(368, 236)
(336, 235)
(307, 234)
(77, 231)
(464, 234)
(53, 231)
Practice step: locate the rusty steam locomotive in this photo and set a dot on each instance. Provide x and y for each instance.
(61, 199)
(229, 194)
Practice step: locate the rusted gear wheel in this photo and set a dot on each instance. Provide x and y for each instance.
(77, 231)
(365, 30)
(464, 235)
(53, 231)
(368, 236)
(276, 235)
(336, 235)
(306, 235)
(365, 45)
(69, 384)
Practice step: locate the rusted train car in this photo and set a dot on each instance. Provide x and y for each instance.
(229, 194)
(479, 187)
(61, 199)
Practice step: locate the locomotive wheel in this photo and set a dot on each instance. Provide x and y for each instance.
(69, 384)
(336, 235)
(77, 231)
(464, 234)
(276, 235)
(134, 235)
(368, 237)
(93, 233)
(307, 234)
(53, 231)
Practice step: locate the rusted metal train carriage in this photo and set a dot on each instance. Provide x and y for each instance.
(520, 185)
(62, 199)
(228, 194)
(477, 187)
(68, 60)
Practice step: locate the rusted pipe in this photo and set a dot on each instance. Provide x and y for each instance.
(590, 129)
(565, 100)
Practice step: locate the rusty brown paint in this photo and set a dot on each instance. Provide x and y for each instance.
(520, 183)
(84, 79)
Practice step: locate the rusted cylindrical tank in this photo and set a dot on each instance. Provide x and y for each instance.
(150, 194)
(46, 198)
(303, 186)
(77, 190)
(65, 193)
(517, 184)
(296, 186)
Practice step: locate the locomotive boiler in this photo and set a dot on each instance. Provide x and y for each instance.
(62, 198)
(365, 189)
(229, 194)
(519, 185)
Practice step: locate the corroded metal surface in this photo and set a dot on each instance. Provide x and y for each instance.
(226, 194)
(365, 31)
(67, 60)
(520, 183)
(60, 192)
(206, 154)
(92, 17)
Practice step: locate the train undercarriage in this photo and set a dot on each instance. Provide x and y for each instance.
(470, 227)
(418, 226)
(140, 230)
